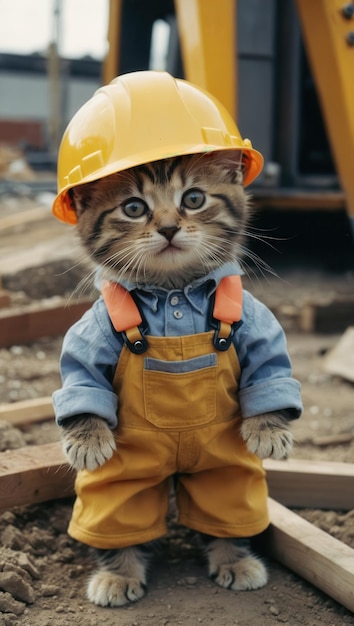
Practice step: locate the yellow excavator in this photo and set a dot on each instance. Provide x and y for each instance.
(283, 68)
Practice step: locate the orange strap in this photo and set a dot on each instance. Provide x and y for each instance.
(125, 314)
(121, 307)
(228, 300)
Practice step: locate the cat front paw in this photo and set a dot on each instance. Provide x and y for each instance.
(267, 436)
(87, 442)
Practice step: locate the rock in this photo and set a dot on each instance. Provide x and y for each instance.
(11, 437)
(9, 605)
(41, 541)
(19, 588)
(26, 564)
(12, 567)
(8, 517)
(50, 590)
(191, 580)
(13, 538)
(8, 620)
(273, 610)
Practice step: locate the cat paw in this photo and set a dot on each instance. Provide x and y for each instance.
(88, 443)
(267, 436)
(108, 589)
(246, 574)
(233, 566)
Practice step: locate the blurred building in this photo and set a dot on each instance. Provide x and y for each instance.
(26, 98)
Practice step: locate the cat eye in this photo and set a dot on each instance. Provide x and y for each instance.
(135, 208)
(193, 199)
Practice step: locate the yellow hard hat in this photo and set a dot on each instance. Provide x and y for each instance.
(138, 118)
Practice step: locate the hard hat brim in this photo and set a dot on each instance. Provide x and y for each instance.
(64, 210)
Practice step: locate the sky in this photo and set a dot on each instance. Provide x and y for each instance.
(28, 26)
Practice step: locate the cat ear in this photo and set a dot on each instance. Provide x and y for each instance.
(76, 199)
(71, 195)
(231, 161)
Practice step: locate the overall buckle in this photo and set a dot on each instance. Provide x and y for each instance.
(135, 340)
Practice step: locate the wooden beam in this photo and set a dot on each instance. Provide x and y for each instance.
(27, 411)
(311, 484)
(22, 325)
(333, 317)
(34, 474)
(295, 482)
(287, 198)
(5, 300)
(310, 552)
(22, 218)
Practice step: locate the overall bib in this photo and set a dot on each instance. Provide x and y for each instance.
(179, 417)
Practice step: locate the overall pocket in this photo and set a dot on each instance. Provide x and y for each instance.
(180, 394)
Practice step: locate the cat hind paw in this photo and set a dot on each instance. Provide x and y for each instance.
(244, 575)
(108, 589)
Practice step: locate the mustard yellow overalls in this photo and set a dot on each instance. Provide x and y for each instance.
(178, 416)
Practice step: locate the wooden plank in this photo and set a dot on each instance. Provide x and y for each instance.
(22, 325)
(310, 552)
(34, 474)
(311, 484)
(27, 411)
(30, 215)
(295, 483)
(4, 298)
(336, 439)
(298, 199)
(333, 317)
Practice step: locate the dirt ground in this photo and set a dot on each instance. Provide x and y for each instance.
(42, 571)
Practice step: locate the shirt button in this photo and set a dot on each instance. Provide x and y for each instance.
(178, 315)
(174, 300)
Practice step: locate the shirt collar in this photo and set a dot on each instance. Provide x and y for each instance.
(150, 294)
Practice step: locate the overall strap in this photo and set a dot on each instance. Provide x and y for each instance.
(228, 300)
(124, 315)
(127, 319)
(227, 310)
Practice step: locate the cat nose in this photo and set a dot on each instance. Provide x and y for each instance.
(169, 231)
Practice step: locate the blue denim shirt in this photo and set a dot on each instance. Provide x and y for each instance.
(91, 350)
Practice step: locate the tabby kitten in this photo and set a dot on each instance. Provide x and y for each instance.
(166, 224)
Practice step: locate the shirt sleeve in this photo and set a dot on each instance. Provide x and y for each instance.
(266, 382)
(88, 361)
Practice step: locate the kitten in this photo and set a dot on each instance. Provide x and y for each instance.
(166, 224)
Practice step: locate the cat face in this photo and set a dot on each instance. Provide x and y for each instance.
(165, 223)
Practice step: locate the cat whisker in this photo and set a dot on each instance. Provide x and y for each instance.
(257, 260)
(265, 239)
(85, 284)
(209, 258)
(127, 261)
(264, 269)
